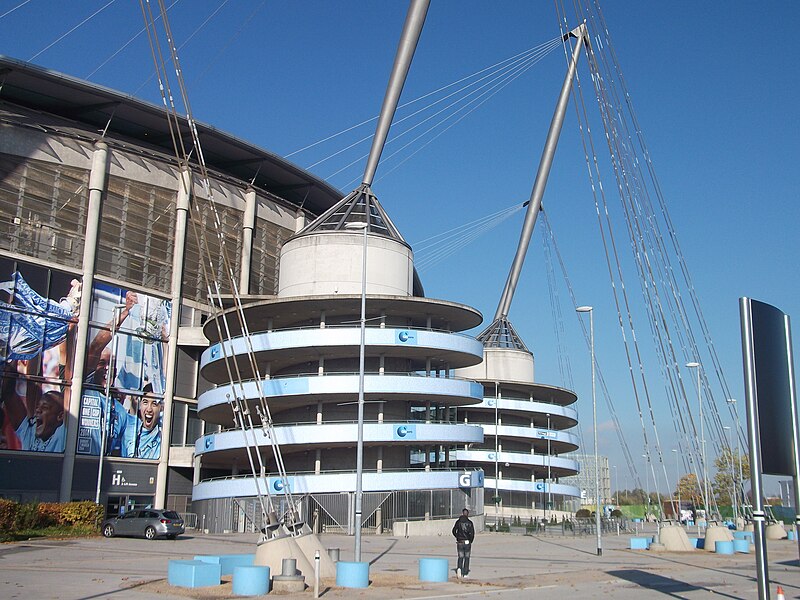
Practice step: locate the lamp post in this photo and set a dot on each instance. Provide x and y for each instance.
(738, 486)
(361, 351)
(590, 310)
(646, 485)
(549, 502)
(733, 467)
(111, 371)
(678, 483)
(616, 485)
(496, 457)
(696, 365)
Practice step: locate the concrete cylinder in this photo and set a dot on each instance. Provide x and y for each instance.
(334, 554)
(289, 567)
(352, 574)
(329, 262)
(250, 581)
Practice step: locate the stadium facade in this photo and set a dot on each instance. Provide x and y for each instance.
(108, 347)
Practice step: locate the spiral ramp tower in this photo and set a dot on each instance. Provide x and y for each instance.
(306, 341)
(526, 430)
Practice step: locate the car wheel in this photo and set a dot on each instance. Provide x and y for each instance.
(172, 536)
(150, 533)
(108, 531)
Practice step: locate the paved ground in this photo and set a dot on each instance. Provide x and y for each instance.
(505, 567)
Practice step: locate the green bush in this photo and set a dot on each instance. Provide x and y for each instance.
(16, 517)
(583, 513)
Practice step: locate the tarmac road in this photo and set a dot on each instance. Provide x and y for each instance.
(504, 567)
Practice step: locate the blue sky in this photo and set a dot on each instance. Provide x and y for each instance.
(714, 85)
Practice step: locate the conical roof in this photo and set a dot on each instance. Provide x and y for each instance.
(501, 334)
(358, 206)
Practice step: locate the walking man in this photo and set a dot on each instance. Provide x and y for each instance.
(464, 532)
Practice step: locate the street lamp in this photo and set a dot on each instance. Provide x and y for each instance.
(678, 483)
(738, 486)
(549, 503)
(616, 484)
(696, 365)
(590, 310)
(361, 351)
(105, 411)
(733, 467)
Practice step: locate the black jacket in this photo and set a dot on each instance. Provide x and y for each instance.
(464, 529)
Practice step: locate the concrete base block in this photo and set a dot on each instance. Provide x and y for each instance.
(288, 585)
(743, 535)
(675, 539)
(309, 544)
(715, 534)
(228, 562)
(192, 573)
(271, 554)
(656, 547)
(640, 543)
(724, 547)
(775, 531)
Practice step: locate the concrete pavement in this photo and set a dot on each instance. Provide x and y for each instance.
(504, 566)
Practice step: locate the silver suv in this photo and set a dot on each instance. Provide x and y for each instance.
(146, 522)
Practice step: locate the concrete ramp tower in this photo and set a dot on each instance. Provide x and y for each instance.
(356, 367)
(525, 423)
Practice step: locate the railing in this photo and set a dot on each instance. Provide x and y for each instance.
(189, 520)
(335, 472)
(355, 325)
(348, 422)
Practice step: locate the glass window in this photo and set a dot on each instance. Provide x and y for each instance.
(194, 426)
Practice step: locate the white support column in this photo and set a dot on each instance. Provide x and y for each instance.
(317, 461)
(97, 185)
(319, 413)
(248, 225)
(178, 254)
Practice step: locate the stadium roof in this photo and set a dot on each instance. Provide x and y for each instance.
(95, 106)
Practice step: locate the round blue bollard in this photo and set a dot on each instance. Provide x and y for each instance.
(250, 581)
(791, 535)
(694, 541)
(741, 546)
(723, 547)
(352, 574)
(433, 569)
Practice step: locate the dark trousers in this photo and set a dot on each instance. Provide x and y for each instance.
(463, 557)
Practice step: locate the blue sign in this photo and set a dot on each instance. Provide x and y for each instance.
(405, 432)
(208, 443)
(407, 337)
(276, 485)
(539, 487)
(214, 351)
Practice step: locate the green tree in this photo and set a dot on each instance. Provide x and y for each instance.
(727, 475)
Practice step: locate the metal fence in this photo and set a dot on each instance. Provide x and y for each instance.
(334, 512)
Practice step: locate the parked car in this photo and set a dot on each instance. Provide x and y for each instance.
(147, 522)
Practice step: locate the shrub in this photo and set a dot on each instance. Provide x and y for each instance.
(81, 513)
(583, 513)
(8, 514)
(617, 513)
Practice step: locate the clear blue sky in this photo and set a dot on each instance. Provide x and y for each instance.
(715, 86)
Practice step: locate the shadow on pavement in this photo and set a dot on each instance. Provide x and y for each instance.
(657, 583)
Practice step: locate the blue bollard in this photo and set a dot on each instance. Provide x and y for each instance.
(433, 569)
(724, 547)
(352, 574)
(742, 546)
(640, 543)
(250, 580)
